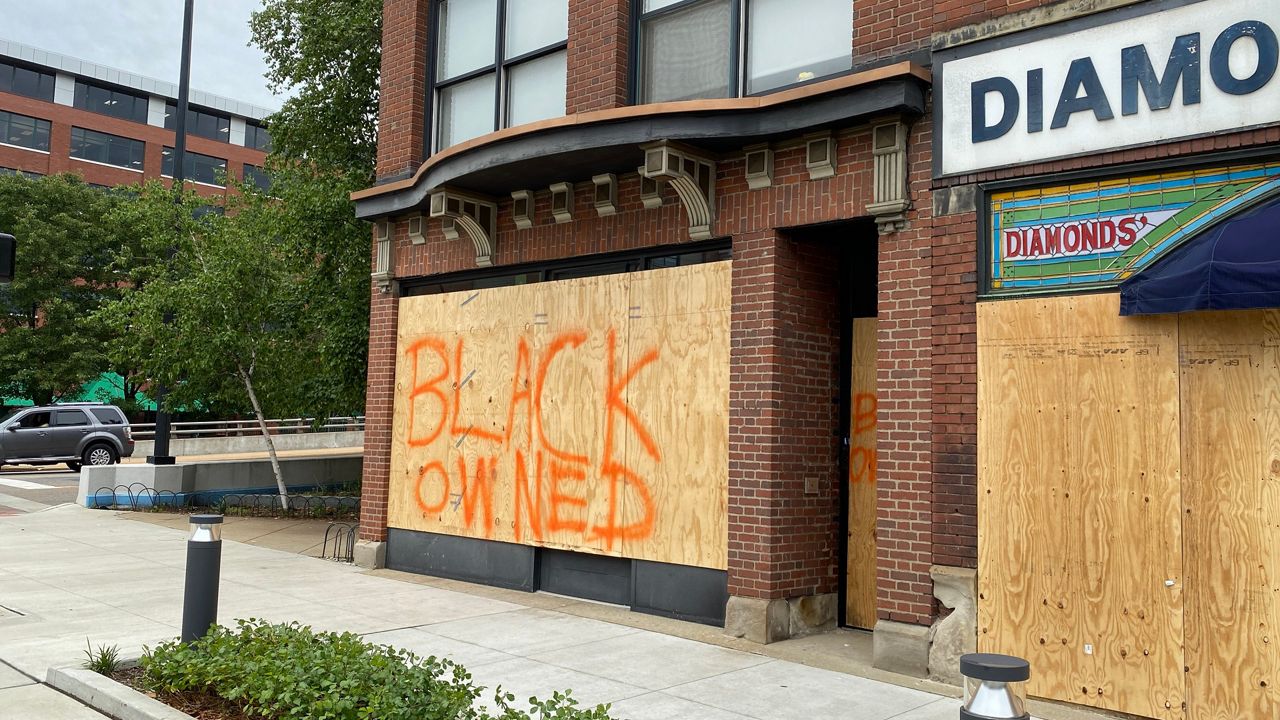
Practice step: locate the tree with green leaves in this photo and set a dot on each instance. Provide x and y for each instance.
(50, 342)
(219, 315)
(324, 138)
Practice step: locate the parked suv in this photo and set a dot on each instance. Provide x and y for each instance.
(76, 434)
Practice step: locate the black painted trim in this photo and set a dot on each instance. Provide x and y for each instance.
(677, 591)
(723, 128)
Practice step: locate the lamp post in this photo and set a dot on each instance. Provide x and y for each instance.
(994, 687)
(8, 257)
(204, 565)
(160, 449)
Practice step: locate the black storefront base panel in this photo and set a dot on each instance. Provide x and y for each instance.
(676, 591)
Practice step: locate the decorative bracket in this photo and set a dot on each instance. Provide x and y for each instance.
(522, 208)
(476, 214)
(650, 191)
(384, 260)
(691, 174)
(889, 153)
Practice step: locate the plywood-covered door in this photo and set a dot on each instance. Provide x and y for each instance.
(1230, 371)
(860, 571)
(1079, 530)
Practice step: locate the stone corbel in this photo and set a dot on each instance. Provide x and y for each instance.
(889, 153)
(692, 175)
(384, 260)
(476, 215)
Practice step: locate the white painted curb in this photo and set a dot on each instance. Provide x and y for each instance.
(110, 697)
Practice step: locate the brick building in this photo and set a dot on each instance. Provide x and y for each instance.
(796, 227)
(59, 114)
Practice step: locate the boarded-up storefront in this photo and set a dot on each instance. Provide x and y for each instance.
(1128, 465)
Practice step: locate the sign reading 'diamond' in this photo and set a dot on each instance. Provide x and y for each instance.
(1166, 70)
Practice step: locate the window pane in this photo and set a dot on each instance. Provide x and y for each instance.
(651, 5)
(685, 55)
(785, 46)
(258, 178)
(536, 90)
(106, 101)
(468, 36)
(466, 110)
(110, 149)
(23, 131)
(533, 24)
(108, 416)
(71, 417)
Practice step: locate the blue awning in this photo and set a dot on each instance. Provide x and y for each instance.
(1234, 265)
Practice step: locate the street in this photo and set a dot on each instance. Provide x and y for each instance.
(26, 489)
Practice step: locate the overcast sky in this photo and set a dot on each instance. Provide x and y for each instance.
(145, 37)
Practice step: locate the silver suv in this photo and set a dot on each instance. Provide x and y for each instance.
(76, 434)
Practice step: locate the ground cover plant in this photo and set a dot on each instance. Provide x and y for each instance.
(291, 672)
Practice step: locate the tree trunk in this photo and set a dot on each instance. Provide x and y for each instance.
(266, 435)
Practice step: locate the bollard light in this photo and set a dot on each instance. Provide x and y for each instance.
(994, 687)
(204, 564)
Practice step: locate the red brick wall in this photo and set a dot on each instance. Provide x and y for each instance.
(599, 40)
(402, 103)
(784, 356)
(379, 400)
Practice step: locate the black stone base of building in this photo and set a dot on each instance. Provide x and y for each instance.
(676, 591)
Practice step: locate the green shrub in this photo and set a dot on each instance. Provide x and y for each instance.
(291, 672)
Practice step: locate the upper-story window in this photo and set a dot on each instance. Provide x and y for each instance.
(107, 149)
(23, 131)
(199, 122)
(257, 137)
(498, 63)
(23, 81)
(195, 167)
(116, 103)
(692, 49)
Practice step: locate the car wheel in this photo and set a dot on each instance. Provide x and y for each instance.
(73, 466)
(100, 455)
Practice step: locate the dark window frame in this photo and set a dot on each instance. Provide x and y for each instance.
(38, 123)
(44, 79)
(740, 49)
(614, 263)
(190, 158)
(134, 144)
(194, 114)
(138, 103)
(69, 412)
(108, 416)
(258, 131)
(500, 68)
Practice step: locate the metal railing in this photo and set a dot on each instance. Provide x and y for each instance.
(245, 428)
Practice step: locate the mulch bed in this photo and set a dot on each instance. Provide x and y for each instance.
(202, 706)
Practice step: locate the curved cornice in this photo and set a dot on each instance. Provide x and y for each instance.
(578, 146)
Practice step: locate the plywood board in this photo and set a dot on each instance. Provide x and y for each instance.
(1078, 508)
(1230, 367)
(587, 414)
(860, 591)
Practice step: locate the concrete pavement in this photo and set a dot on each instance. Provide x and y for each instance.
(68, 575)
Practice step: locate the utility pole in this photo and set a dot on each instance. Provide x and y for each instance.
(160, 454)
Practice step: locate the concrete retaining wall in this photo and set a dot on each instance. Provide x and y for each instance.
(217, 476)
(254, 443)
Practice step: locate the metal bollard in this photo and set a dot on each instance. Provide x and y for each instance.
(204, 563)
(994, 687)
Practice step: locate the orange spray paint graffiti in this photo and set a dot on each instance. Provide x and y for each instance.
(552, 480)
(862, 445)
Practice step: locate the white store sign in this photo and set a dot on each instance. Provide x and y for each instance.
(1167, 70)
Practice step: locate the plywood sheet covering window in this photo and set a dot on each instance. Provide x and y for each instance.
(1230, 370)
(1079, 512)
(587, 414)
(860, 596)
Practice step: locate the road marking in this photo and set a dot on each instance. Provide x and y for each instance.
(24, 484)
(21, 504)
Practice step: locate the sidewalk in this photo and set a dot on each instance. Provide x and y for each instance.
(77, 574)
